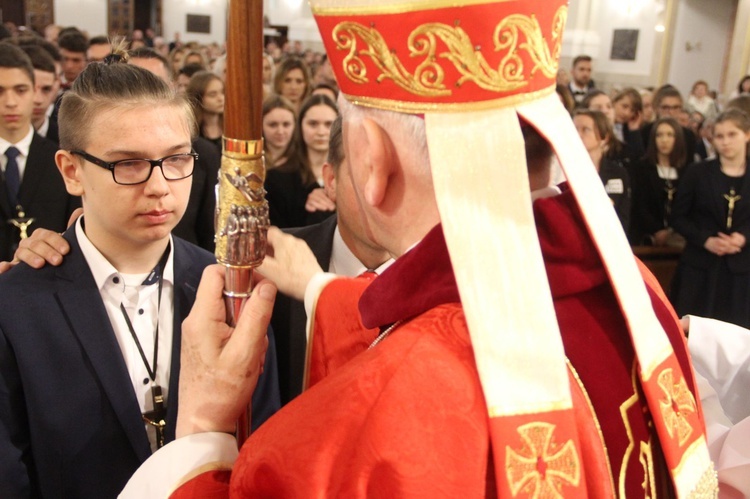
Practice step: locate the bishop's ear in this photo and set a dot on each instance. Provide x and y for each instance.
(69, 167)
(383, 162)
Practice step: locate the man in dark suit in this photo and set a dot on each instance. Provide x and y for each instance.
(341, 246)
(32, 193)
(580, 77)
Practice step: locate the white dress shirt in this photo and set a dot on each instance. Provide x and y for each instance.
(141, 304)
(23, 146)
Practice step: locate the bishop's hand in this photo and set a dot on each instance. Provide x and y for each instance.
(220, 365)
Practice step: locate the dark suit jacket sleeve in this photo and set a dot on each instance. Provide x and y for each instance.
(16, 464)
(210, 162)
(646, 219)
(266, 398)
(682, 206)
(634, 140)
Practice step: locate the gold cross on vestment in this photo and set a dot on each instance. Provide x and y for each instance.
(541, 468)
(678, 404)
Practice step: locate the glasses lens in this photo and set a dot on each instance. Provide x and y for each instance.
(178, 166)
(131, 171)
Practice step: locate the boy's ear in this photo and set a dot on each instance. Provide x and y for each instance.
(70, 169)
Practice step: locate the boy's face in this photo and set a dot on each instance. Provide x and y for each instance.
(129, 217)
(16, 103)
(624, 110)
(45, 91)
(72, 64)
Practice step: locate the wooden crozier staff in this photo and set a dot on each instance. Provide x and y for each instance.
(242, 212)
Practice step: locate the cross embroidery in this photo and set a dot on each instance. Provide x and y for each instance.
(541, 468)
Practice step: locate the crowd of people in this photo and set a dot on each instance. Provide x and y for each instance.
(81, 114)
(674, 169)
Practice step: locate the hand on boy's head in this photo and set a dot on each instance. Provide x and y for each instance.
(220, 365)
(42, 247)
(289, 263)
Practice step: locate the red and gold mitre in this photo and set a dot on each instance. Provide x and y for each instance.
(475, 70)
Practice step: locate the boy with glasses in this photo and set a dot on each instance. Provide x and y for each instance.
(90, 350)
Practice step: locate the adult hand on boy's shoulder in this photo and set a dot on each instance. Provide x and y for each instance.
(42, 247)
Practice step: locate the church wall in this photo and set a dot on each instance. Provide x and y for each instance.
(174, 18)
(701, 39)
(87, 15)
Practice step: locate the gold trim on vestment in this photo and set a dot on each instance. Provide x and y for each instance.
(401, 8)
(648, 467)
(448, 107)
(458, 49)
(695, 461)
(596, 423)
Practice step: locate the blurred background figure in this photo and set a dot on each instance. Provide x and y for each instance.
(291, 185)
(206, 94)
(700, 101)
(278, 130)
(596, 133)
(655, 181)
(292, 80)
(711, 210)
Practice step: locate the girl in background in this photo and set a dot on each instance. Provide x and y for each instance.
(628, 111)
(655, 180)
(617, 150)
(289, 186)
(712, 211)
(206, 93)
(595, 131)
(278, 129)
(292, 80)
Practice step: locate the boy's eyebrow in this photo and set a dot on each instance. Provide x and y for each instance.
(134, 153)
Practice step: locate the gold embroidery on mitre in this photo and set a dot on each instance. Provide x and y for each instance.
(428, 79)
(678, 401)
(541, 468)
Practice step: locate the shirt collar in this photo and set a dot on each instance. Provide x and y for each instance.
(102, 269)
(344, 262)
(22, 145)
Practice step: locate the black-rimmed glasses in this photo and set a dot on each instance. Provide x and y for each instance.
(138, 171)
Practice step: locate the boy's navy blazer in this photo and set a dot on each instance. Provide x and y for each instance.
(62, 374)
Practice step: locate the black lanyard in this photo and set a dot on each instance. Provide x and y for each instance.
(156, 416)
(158, 274)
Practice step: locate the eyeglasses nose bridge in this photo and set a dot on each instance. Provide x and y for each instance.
(156, 163)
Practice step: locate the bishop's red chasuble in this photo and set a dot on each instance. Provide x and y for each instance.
(407, 418)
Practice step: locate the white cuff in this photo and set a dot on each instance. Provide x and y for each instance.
(165, 470)
(312, 293)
